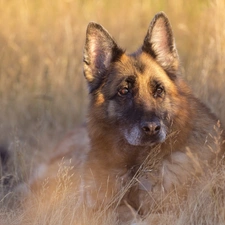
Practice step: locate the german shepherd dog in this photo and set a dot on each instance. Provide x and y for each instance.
(147, 131)
(149, 137)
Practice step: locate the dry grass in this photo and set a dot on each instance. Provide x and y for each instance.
(43, 93)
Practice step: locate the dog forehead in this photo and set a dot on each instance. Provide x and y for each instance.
(142, 66)
(152, 68)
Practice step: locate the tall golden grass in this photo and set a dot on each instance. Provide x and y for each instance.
(43, 93)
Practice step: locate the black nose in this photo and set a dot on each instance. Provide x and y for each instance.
(151, 128)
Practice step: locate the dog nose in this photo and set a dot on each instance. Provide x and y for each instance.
(151, 128)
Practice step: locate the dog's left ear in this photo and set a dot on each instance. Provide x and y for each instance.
(100, 51)
(159, 43)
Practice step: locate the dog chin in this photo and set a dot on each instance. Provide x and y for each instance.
(144, 143)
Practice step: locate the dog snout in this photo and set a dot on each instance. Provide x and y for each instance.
(151, 128)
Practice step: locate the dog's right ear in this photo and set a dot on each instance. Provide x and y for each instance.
(160, 44)
(99, 51)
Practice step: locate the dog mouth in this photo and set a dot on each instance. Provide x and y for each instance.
(141, 137)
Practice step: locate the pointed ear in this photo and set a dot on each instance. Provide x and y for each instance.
(159, 43)
(99, 51)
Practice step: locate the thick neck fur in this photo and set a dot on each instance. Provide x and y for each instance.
(109, 147)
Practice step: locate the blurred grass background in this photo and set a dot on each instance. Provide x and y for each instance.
(42, 90)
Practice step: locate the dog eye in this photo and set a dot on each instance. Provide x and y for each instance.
(158, 92)
(123, 91)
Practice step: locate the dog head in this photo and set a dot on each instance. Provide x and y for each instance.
(140, 94)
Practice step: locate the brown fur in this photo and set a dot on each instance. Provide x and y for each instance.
(149, 136)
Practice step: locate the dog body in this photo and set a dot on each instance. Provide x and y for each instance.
(148, 134)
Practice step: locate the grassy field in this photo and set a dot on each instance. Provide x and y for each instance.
(43, 93)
